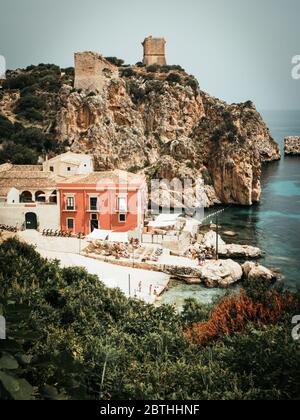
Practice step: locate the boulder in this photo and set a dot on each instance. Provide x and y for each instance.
(240, 251)
(209, 240)
(222, 273)
(253, 271)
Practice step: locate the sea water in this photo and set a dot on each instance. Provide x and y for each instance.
(273, 224)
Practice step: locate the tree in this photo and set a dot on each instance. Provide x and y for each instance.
(17, 154)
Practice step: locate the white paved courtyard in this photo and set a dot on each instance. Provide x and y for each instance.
(132, 282)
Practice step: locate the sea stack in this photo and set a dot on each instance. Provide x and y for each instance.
(292, 145)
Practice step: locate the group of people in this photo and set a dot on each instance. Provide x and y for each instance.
(200, 257)
(152, 290)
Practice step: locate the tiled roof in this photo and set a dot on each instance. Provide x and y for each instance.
(24, 177)
(78, 157)
(106, 177)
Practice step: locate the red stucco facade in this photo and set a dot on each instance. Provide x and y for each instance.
(118, 207)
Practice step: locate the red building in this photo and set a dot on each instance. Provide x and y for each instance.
(113, 201)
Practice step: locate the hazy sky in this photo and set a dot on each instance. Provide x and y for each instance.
(238, 49)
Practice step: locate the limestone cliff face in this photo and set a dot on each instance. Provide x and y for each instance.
(165, 126)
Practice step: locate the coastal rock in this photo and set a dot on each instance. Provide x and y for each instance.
(208, 243)
(209, 240)
(240, 251)
(222, 273)
(292, 145)
(253, 271)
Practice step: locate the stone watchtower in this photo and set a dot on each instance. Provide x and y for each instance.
(154, 51)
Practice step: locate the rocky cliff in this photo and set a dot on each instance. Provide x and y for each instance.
(161, 123)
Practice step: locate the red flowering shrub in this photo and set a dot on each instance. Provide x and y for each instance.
(233, 313)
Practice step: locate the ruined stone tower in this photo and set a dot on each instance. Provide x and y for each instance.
(92, 71)
(154, 51)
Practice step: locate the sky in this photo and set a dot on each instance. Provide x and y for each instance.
(238, 49)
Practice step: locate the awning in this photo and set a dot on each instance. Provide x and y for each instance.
(165, 220)
(99, 235)
(119, 237)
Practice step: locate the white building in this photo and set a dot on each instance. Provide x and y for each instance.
(28, 196)
(69, 164)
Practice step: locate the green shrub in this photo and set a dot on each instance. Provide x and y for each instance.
(193, 83)
(72, 338)
(174, 78)
(115, 61)
(154, 68)
(30, 102)
(128, 72)
(19, 82)
(17, 154)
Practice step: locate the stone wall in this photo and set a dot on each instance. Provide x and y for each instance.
(154, 51)
(92, 71)
(48, 215)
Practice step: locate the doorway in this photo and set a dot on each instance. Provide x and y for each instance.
(31, 221)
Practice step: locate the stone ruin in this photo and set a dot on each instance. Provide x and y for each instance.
(92, 71)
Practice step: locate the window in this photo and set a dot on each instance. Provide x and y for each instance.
(70, 224)
(94, 216)
(122, 218)
(70, 203)
(69, 169)
(51, 168)
(122, 204)
(93, 203)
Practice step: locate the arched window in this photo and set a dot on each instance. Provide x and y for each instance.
(26, 197)
(53, 197)
(40, 196)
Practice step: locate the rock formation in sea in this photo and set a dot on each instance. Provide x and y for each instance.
(292, 145)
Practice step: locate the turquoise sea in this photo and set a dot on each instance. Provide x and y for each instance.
(273, 224)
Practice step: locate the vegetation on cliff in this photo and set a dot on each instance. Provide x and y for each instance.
(144, 119)
(69, 337)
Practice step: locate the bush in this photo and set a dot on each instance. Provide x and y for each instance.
(174, 78)
(17, 154)
(46, 77)
(29, 107)
(154, 68)
(129, 72)
(115, 61)
(36, 139)
(7, 129)
(234, 313)
(72, 338)
(19, 82)
(135, 91)
(30, 102)
(193, 83)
